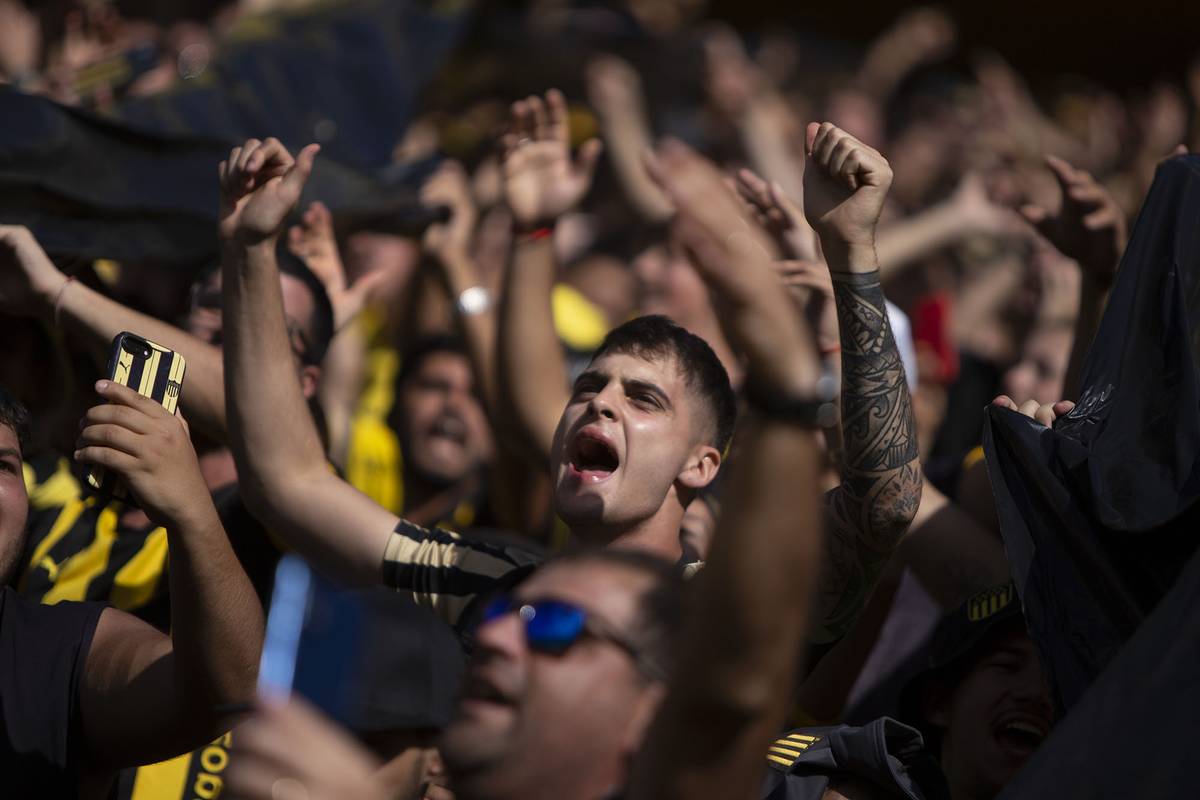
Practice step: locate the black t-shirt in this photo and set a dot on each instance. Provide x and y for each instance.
(43, 652)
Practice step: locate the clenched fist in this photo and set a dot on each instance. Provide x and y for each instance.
(845, 184)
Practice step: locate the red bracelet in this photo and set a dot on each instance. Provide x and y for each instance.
(544, 232)
(828, 351)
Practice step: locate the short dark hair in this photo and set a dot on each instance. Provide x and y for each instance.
(320, 328)
(422, 349)
(661, 609)
(14, 415)
(657, 336)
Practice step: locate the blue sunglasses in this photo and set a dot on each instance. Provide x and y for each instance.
(554, 626)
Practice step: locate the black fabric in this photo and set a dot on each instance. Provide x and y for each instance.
(1133, 733)
(1099, 513)
(43, 652)
(885, 753)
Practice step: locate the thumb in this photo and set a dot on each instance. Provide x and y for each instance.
(297, 176)
(1038, 217)
(810, 136)
(589, 155)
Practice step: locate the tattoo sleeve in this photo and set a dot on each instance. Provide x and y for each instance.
(881, 471)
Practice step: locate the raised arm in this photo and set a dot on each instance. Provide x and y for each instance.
(1089, 227)
(30, 285)
(282, 470)
(146, 696)
(723, 709)
(541, 183)
(845, 185)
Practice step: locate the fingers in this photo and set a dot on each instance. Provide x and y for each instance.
(557, 126)
(537, 109)
(845, 159)
(111, 437)
(297, 175)
(589, 156)
(1039, 218)
(115, 414)
(122, 395)
(104, 456)
(1004, 401)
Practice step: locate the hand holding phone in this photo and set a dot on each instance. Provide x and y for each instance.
(151, 371)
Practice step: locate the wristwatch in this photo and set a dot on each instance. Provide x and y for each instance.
(475, 300)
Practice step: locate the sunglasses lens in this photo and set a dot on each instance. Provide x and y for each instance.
(496, 609)
(554, 626)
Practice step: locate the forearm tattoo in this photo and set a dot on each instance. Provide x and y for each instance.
(881, 472)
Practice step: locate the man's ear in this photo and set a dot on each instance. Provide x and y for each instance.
(645, 708)
(701, 467)
(310, 380)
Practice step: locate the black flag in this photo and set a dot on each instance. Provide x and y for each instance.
(1099, 513)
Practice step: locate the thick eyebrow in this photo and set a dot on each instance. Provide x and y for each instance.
(7, 452)
(590, 375)
(647, 386)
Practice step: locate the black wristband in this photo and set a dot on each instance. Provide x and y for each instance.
(818, 410)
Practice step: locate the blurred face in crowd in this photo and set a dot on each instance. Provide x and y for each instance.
(994, 718)
(529, 722)
(631, 437)
(608, 284)
(443, 429)
(204, 318)
(14, 503)
(672, 287)
(1040, 373)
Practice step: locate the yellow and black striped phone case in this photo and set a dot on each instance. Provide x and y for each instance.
(153, 371)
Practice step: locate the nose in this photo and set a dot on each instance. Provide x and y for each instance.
(503, 636)
(602, 404)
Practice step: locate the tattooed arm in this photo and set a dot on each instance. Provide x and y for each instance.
(881, 475)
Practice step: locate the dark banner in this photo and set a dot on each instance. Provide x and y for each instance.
(144, 188)
(1133, 733)
(1100, 513)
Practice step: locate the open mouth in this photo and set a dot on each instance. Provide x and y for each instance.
(481, 690)
(1020, 736)
(593, 457)
(449, 428)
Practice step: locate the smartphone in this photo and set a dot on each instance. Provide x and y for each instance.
(152, 371)
(314, 639)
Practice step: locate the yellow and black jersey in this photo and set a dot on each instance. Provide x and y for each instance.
(80, 547)
(83, 548)
(199, 775)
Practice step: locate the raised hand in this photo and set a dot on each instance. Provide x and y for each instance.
(541, 182)
(845, 184)
(450, 186)
(977, 213)
(150, 449)
(314, 241)
(29, 281)
(777, 214)
(1088, 227)
(260, 184)
(729, 252)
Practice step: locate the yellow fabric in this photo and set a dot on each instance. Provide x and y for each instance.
(57, 490)
(972, 458)
(576, 319)
(373, 462)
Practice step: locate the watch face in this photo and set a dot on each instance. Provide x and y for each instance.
(474, 300)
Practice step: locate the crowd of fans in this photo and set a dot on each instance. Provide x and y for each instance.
(629, 425)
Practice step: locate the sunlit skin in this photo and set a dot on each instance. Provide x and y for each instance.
(443, 428)
(1040, 373)
(994, 719)
(533, 724)
(14, 503)
(630, 451)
